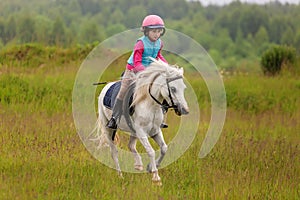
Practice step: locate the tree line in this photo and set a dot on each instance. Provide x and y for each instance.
(229, 33)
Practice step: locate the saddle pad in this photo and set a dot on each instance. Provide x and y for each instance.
(111, 95)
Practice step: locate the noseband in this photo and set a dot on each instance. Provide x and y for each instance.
(166, 106)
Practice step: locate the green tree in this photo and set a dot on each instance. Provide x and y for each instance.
(26, 30)
(89, 6)
(58, 33)
(297, 41)
(157, 8)
(178, 13)
(114, 29)
(242, 48)
(276, 28)
(10, 29)
(252, 19)
(135, 16)
(215, 55)
(90, 33)
(1, 44)
(2, 30)
(43, 29)
(288, 37)
(222, 42)
(261, 36)
(198, 21)
(229, 21)
(117, 17)
(73, 6)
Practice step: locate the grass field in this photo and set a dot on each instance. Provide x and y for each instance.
(42, 157)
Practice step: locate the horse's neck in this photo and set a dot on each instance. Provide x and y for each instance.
(155, 90)
(147, 101)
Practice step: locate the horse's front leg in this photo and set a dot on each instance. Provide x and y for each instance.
(159, 139)
(138, 164)
(151, 153)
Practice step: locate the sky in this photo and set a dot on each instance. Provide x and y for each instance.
(222, 2)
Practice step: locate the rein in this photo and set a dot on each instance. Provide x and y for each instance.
(168, 80)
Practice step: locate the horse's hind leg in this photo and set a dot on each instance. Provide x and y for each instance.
(113, 150)
(159, 139)
(138, 164)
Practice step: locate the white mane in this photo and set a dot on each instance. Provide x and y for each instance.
(158, 66)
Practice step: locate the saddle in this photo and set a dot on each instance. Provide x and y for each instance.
(111, 96)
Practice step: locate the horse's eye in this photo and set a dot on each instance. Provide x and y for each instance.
(173, 89)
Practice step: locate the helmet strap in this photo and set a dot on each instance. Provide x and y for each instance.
(164, 30)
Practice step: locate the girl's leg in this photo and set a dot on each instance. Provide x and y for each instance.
(117, 109)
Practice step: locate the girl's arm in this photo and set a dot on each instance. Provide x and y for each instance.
(137, 56)
(160, 56)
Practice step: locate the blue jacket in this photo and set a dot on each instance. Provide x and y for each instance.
(151, 49)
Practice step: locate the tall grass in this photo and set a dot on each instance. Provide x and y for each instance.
(42, 157)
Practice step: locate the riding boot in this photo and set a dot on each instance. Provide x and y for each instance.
(117, 112)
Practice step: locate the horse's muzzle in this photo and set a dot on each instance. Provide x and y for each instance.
(180, 110)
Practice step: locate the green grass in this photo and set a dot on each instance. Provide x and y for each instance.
(42, 157)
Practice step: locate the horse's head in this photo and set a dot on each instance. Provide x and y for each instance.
(162, 82)
(173, 90)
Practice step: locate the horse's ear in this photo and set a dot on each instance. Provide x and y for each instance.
(181, 71)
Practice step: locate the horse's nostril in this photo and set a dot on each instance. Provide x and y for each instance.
(185, 111)
(178, 113)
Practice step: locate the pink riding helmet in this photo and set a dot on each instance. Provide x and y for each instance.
(153, 21)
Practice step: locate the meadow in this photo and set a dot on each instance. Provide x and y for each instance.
(42, 156)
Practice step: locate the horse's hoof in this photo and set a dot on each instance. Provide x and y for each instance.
(120, 175)
(157, 183)
(139, 167)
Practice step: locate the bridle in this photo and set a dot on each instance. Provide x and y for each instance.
(164, 105)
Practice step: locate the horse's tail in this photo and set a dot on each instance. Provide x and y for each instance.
(98, 134)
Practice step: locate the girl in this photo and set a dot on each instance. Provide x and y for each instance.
(149, 45)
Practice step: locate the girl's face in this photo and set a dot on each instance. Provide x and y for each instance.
(154, 34)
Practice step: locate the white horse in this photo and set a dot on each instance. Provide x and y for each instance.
(158, 82)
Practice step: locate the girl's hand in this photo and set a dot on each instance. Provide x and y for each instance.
(138, 68)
